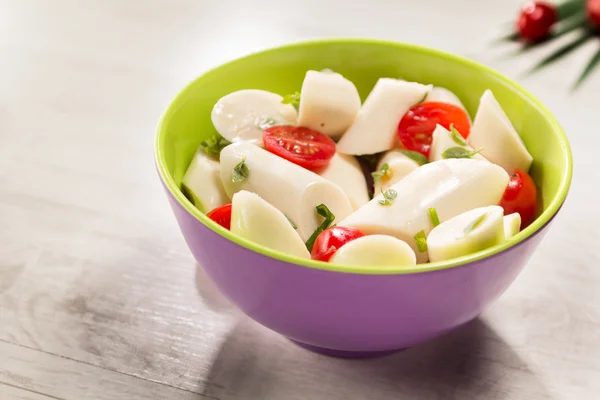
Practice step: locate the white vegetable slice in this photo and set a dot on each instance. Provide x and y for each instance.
(438, 93)
(374, 129)
(466, 233)
(293, 190)
(493, 130)
(450, 186)
(328, 103)
(442, 140)
(243, 115)
(399, 166)
(375, 250)
(255, 219)
(345, 171)
(512, 225)
(203, 182)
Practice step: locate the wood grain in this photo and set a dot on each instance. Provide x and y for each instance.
(99, 296)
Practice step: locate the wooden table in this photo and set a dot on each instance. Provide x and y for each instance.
(101, 299)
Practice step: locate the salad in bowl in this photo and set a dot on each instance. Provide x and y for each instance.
(403, 178)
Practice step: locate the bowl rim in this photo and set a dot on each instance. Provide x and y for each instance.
(540, 222)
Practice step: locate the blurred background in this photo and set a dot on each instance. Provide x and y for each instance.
(101, 299)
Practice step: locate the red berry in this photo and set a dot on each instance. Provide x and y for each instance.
(536, 20)
(593, 11)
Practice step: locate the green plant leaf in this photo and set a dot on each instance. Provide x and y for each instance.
(567, 8)
(415, 156)
(214, 144)
(388, 197)
(324, 212)
(563, 51)
(421, 240)
(293, 99)
(240, 171)
(588, 68)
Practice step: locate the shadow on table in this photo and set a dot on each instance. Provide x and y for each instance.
(472, 362)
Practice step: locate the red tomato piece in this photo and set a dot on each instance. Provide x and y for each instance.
(331, 239)
(221, 215)
(521, 197)
(300, 145)
(417, 125)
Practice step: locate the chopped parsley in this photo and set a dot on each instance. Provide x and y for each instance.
(214, 144)
(293, 99)
(415, 156)
(388, 197)
(435, 220)
(460, 152)
(384, 173)
(240, 171)
(421, 240)
(456, 136)
(323, 211)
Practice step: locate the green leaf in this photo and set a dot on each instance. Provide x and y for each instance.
(456, 136)
(460, 152)
(291, 222)
(435, 220)
(421, 240)
(388, 197)
(293, 99)
(567, 8)
(475, 223)
(563, 51)
(384, 173)
(323, 211)
(588, 68)
(240, 171)
(214, 145)
(415, 156)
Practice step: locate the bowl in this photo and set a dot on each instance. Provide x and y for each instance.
(357, 311)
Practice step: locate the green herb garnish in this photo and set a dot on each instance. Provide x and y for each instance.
(460, 152)
(421, 240)
(475, 223)
(240, 171)
(435, 220)
(384, 173)
(214, 145)
(415, 156)
(291, 222)
(323, 211)
(293, 99)
(456, 136)
(388, 197)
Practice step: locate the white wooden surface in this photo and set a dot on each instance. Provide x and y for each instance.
(99, 296)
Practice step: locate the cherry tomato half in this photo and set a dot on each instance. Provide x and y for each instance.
(331, 239)
(221, 215)
(417, 125)
(300, 145)
(521, 197)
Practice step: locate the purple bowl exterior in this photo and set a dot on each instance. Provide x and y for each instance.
(351, 312)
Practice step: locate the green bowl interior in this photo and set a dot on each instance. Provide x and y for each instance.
(281, 70)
